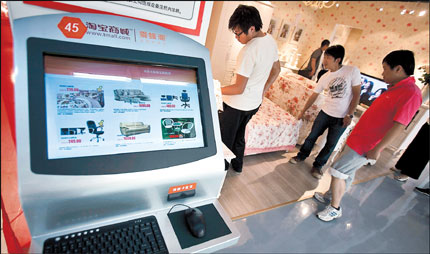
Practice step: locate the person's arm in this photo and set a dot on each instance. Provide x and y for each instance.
(392, 134)
(274, 72)
(352, 105)
(313, 65)
(309, 103)
(237, 88)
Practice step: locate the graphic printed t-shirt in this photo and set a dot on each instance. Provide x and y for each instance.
(398, 104)
(339, 85)
(255, 61)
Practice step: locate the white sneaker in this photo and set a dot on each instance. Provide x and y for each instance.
(401, 177)
(323, 198)
(329, 213)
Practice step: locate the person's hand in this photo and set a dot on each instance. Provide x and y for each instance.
(346, 121)
(373, 154)
(300, 115)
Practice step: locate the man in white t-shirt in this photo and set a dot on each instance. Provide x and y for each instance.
(257, 68)
(343, 83)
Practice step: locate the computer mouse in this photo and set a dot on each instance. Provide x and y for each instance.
(195, 222)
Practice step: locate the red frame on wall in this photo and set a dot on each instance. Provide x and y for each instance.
(15, 227)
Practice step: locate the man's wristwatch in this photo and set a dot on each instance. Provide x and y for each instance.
(351, 116)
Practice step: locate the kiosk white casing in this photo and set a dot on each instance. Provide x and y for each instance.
(58, 204)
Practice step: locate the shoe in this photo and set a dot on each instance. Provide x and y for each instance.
(395, 169)
(296, 160)
(329, 213)
(316, 172)
(371, 162)
(323, 198)
(226, 165)
(236, 172)
(424, 191)
(236, 166)
(401, 177)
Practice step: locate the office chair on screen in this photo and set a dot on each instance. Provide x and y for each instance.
(168, 123)
(92, 128)
(187, 128)
(185, 98)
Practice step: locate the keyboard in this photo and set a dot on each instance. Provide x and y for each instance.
(134, 236)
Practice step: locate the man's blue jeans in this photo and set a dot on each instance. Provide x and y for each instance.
(321, 123)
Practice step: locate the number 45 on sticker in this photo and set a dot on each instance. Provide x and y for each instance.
(72, 27)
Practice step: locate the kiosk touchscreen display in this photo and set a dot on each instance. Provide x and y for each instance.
(97, 110)
(105, 107)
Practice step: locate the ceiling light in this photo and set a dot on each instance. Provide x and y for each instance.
(381, 9)
(337, 5)
(411, 12)
(403, 12)
(319, 4)
(422, 13)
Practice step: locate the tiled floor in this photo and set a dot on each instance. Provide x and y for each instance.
(382, 215)
(379, 216)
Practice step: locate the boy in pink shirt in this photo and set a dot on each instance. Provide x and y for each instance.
(378, 127)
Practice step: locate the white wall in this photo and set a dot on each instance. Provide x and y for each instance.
(221, 42)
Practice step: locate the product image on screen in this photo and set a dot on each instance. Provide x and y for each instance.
(371, 88)
(174, 128)
(96, 107)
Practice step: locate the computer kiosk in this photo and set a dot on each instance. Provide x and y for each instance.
(116, 120)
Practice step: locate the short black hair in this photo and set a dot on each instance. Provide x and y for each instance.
(336, 51)
(245, 16)
(404, 58)
(324, 43)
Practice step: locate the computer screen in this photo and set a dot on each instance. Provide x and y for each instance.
(371, 88)
(102, 110)
(104, 107)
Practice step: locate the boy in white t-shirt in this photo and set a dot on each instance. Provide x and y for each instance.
(257, 68)
(343, 83)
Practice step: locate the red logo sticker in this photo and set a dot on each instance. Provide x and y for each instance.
(181, 188)
(72, 27)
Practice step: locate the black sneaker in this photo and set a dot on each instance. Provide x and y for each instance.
(424, 191)
(226, 165)
(296, 160)
(236, 165)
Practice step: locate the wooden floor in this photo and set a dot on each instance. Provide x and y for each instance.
(269, 181)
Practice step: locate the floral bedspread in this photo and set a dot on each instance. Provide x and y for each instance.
(291, 91)
(271, 129)
(275, 126)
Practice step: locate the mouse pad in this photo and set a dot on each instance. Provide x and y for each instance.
(215, 226)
